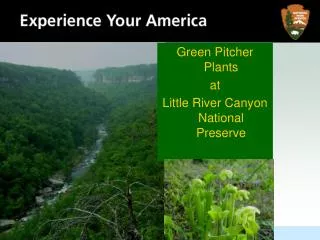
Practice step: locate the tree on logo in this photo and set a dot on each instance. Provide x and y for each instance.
(289, 19)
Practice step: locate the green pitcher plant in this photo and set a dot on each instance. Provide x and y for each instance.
(214, 210)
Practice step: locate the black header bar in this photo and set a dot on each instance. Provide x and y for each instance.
(229, 21)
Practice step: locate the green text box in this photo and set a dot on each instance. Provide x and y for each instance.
(214, 100)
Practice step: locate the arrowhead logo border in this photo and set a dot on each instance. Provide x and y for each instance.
(295, 20)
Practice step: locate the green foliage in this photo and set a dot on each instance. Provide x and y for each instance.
(289, 21)
(219, 203)
(45, 115)
(97, 206)
(170, 228)
(212, 216)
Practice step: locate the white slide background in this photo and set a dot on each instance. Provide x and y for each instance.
(297, 133)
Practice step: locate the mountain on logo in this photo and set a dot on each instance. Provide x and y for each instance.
(299, 22)
(295, 19)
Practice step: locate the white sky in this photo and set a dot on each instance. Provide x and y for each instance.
(78, 56)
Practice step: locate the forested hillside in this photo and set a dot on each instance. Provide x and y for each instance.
(45, 115)
(121, 197)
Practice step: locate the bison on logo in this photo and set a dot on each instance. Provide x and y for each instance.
(295, 19)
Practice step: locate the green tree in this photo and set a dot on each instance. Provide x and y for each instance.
(289, 21)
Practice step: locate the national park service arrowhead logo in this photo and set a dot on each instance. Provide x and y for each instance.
(295, 19)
